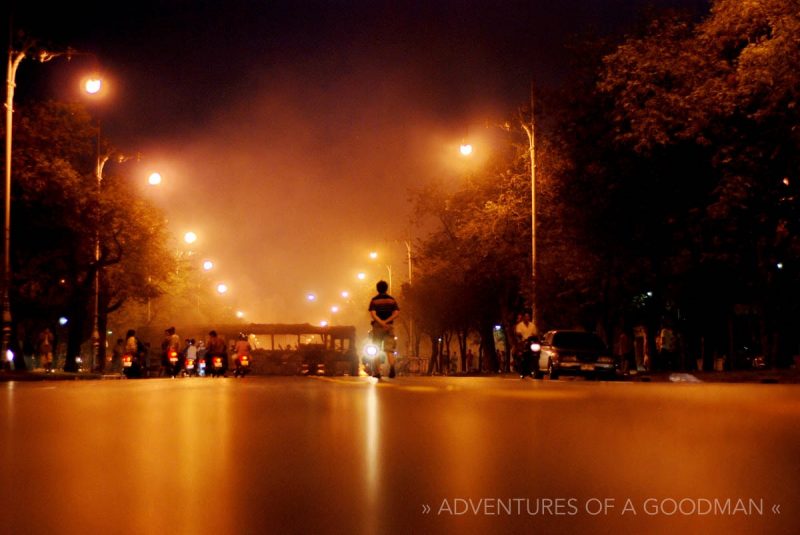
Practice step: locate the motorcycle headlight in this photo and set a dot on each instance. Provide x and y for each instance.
(371, 350)
(536, 346)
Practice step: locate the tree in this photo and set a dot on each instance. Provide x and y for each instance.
(717, 101)
(59, 215)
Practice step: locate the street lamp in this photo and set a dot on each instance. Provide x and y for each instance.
(530, 131)
(15, 57)
(154, 179)
(374, 256)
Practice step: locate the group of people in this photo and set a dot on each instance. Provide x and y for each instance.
(636, 351)
(180, 351)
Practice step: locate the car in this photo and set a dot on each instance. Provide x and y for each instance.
(573, 352)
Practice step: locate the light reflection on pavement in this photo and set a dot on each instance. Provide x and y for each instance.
(413, 455)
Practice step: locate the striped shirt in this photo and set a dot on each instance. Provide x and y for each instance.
(383, 305)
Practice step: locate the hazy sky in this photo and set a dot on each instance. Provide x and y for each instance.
(288, 133)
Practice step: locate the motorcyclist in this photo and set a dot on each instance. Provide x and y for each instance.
(171, 343)
(216, 347)
(241, 349)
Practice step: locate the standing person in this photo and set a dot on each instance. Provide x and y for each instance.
(623, 348)
(44, 349)
(383, 310)
(667, 346)
(524, 329)
(641, 348)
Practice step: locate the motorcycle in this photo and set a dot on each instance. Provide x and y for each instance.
(130, 366)
(373, 359)
(190, 367)
(217, 366)
(529, 358)
(242, 366)
(172, 356)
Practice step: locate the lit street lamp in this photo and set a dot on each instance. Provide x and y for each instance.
(374, 256)
(530, 131)
(154, 179)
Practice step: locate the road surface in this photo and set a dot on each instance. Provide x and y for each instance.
(410, 455)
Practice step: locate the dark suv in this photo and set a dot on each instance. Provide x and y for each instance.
(575, 353)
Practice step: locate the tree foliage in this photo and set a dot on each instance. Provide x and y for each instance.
(61, 212)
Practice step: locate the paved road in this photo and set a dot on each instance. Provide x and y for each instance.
(416, 455)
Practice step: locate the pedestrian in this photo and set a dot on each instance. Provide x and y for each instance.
(524, 329)
(623, 348)
(383, 310)
(44, 349)
(667, 346)
(641, 348)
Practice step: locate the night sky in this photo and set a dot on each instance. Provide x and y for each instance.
(289, 133)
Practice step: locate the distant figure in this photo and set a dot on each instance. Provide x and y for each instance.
(623, 348)
(171, 342)
(44, 349)
(216, 347)
(667, 346)
(242, 347)
(641, 349)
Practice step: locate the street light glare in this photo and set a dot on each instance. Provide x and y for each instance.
(208, 265)
(466, 149)
(93, 86)
(373, 255)
(154, 179)
(222, 288)
(190, 237)
(361, 276)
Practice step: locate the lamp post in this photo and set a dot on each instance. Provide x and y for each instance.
(530, 130)
(374, 256)
(15, 57)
